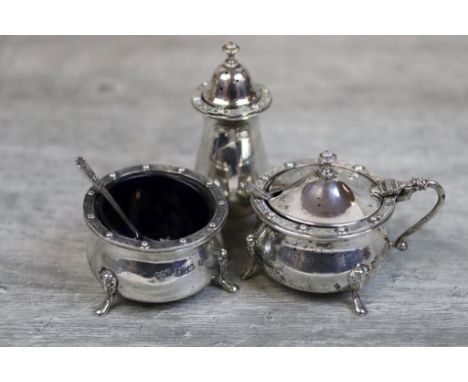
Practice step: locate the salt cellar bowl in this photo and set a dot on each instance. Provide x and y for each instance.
(322, 224)
(231, 150)
(179, 213)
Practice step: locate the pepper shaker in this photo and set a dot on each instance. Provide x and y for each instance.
(231, 150)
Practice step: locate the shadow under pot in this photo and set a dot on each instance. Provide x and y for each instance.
(179, 215)
(321, 224)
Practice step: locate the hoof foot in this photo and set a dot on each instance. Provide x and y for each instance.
(104, 308)
(226, 285)
(356, 279)
(359, 307)
(109, 283)
(253, 267)
(249, 272)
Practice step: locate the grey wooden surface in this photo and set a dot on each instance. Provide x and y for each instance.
(396, 104)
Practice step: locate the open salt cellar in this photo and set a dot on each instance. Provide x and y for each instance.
(155, 233)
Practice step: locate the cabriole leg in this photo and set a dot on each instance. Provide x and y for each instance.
(356, 278)
(109, 283)
(253, 267)
(220, 279)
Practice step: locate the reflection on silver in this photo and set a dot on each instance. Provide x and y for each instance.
(231, 150)
(403, 191)
(322, 197)
(252, 268)
(109, 283)
(157, 270)
(299, 247)
(356, 279)
(220, 278)
(230, 85)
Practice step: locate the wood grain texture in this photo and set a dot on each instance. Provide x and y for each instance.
(395, 104)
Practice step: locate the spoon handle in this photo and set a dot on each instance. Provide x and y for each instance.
(256, 191)
(96, 182)
(88, 171)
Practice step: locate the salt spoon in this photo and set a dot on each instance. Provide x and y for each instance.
(96, 182)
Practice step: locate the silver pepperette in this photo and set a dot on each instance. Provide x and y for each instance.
(231, 151)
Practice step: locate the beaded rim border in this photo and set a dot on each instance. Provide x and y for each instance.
(195, 239)
(239, 114)
(307, 231)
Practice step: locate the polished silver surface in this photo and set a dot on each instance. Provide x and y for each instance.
(253, 266)
(157, 270)
(231, 94)
(311, 265)
(403, 191)
(150, 245)
(230, 86)
(91, 175)
(326, 196)
(109, 283)
(377, 210)
(339, 254)
(231, 150)
(399, 108)
(232, 154)
(220, 278)
(356, 279)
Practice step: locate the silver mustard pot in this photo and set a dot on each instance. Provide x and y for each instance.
(321, 224)
(178, 214)
(231, 151)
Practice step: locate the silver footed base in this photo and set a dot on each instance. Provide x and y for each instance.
(253, 268)
(356, 278)
(220, 279)
(109, 283)
(226, 285)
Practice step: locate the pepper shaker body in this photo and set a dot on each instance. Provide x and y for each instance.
(231, 151)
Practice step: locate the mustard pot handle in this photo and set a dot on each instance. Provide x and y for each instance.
(403, 191)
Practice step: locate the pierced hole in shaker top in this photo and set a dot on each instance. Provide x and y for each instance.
(161, 206)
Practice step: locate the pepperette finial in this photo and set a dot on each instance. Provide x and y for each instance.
(231, 48)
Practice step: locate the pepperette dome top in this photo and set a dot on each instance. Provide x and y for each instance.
(231, 94)
(230, 85)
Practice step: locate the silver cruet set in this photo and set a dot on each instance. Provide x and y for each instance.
(156, 230)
